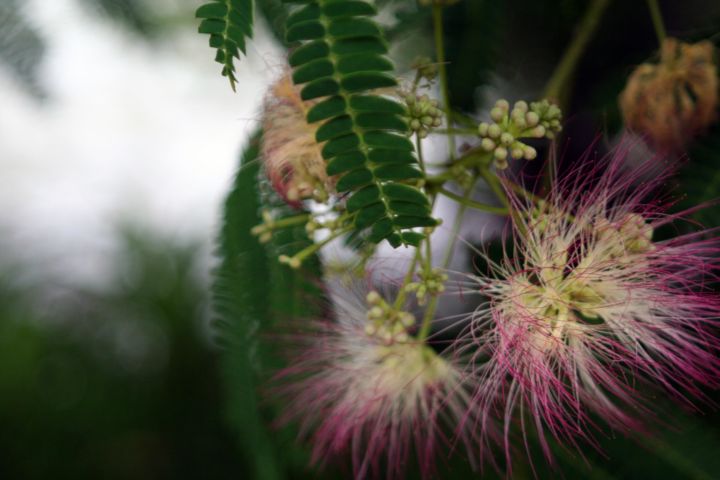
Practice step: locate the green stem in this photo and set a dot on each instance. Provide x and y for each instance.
(427, 319)
(556, 86)
(456, 226)
(440, 53)
(432, 306)
(421, 160)
(427, 264)
(466, 202)
(290, 221)
(657, 20)
(440, 179)
(306, 252)
(402, 294)
(494, 183)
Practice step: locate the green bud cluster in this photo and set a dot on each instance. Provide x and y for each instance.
(550, 117)
(385, 322)
(426, 68)
(423, 113)
(431, 284)
(502, 136)
(462, 175)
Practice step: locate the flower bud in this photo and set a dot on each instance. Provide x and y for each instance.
(494, 131)
(487, 145)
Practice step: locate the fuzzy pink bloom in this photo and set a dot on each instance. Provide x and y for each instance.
(589, 311)
(376, 396)
(291, 156)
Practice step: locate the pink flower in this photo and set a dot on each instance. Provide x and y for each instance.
(361, 386)
(589, 310)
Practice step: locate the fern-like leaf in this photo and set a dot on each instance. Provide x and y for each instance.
(229, 24)
(342, 59)
(252, 293)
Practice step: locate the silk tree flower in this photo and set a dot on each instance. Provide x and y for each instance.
(589, 312)
(292, 158)
(361, 387)
(673, 101)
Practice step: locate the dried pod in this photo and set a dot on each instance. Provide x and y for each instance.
(673, 101)
(291, 155)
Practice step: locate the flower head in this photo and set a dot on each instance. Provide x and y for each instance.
(590, 310)
(674, 100)
(291, 155)
(366, 388)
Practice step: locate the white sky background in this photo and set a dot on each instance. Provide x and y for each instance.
(133, 132)
(148, 132)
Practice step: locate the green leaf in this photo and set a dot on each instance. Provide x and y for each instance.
(388, 141)
(252, 292)
(392, 156)
(212, 26)
(382, 229)
(240, 301)
(336, 146)
(307, 13)
(320, 88)
(359, 45)
(404, 221)
(412, 238)
(405, 193)
(354, 180)
(397, 172)
(312, 71)
(229, 24)
(410, 208)
(212, 10)
(336, 127)
(363, 62)
(309, 30)
(365, 134)
(380, 121)
(328, 108)
(309, 52)
(363, 81)
(275, 13)
(348, 9)
(363, 198)
(345, 163)
(353, 28)
(372, 103)
(369, 215)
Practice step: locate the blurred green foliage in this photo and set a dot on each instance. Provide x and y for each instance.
(21, 48)
(116, 383)
(255, 298)
(134, 14)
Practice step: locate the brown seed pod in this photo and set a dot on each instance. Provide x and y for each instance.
(673, 101)
(292, 158)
